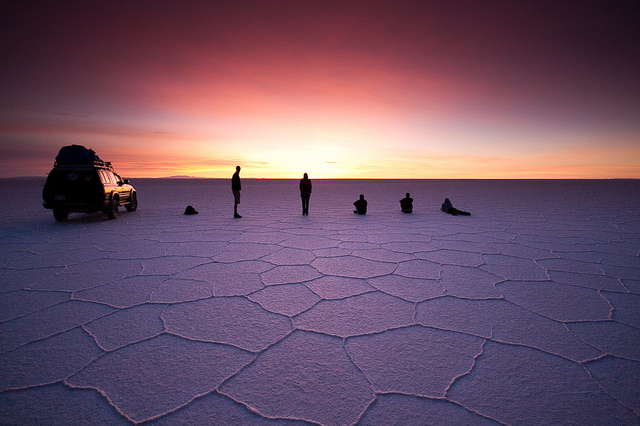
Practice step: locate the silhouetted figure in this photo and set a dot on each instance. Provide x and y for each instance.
(447, 207)
(305, 193)
(361, 205)
(236, 187)
(190, 210)
(406, 204)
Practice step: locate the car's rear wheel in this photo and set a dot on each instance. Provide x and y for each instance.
(112, 212)
(133, 204)
(60, 215)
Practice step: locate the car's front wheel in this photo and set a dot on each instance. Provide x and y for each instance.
(133, 204)
(112, 212)
(60, 215)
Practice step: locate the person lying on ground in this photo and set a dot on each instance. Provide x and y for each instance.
(447, 207)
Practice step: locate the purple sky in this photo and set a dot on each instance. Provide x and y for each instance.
(383, 89)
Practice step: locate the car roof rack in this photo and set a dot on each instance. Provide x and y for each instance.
(105, 164)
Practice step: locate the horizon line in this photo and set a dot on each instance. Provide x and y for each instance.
(345, 178)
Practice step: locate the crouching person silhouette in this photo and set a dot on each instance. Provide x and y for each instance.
(361, 205)
(406, 204)
(447, 207)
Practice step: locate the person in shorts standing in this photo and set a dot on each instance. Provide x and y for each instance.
(236, 187)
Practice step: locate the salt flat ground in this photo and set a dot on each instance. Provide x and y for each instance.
(526, 312)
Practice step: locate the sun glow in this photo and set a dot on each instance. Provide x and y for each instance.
(318, 161)
(422, 91)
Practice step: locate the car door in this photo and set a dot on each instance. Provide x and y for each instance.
(106, 185)
(124, 191)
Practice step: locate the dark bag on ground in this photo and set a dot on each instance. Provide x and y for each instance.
(190, 210)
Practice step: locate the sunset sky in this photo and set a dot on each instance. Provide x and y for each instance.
(353, 89)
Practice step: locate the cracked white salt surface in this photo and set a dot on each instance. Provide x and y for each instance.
(526, 312)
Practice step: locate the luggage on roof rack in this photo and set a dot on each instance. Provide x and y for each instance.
(77, 155)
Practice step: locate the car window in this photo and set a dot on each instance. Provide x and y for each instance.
(108, 177)
(70, 177)
(112, 177)
(89, 177)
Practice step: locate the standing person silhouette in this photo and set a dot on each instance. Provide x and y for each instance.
(361, 205)
(406, 204)
(305, 193)
(236, 187)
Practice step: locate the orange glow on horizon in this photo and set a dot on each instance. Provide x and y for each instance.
(412, 90)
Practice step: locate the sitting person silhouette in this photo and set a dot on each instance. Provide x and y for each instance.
(447, 207)
(406, 204)
(361, 205)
